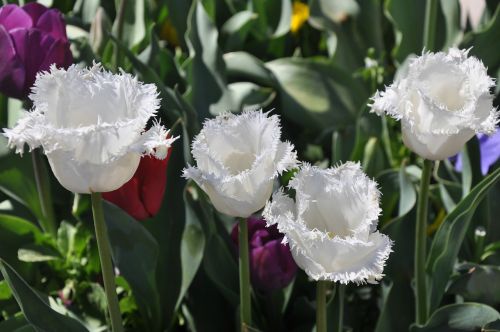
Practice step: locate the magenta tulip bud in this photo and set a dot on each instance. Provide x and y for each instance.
(271, 264)
(32, 38)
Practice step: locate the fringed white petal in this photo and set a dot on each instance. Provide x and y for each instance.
(444, 96)
(155, 141)
(91, 124)
(330, 225)
(238, 157)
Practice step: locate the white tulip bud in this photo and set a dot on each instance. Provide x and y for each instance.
(442, 101)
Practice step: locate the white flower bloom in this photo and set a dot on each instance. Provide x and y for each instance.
(238, 157)
(442, 101)
(331, 225)
(91, 124)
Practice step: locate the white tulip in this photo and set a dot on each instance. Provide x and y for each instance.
(238, 157)
(331, 225)
(442, 101)
(91, 124)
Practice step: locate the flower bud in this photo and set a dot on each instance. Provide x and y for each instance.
(142, 195)
(271, 263)
(32, 38)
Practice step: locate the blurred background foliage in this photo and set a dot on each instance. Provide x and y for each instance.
(316, 63)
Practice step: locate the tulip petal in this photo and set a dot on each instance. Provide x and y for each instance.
(14, 17)
(52, 23)
(12, 72)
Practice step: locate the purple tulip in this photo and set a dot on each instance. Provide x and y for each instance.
(489, 148)
(271, 263)
(32, 38)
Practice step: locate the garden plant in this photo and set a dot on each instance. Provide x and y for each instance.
(249, 165)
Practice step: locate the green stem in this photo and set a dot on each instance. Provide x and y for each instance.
(421, 245)
(321, 286)
(106, 263)
(48, 222)
(119, 33)
(340, 308)
(430, 24)
(245, 301)
(4, 109)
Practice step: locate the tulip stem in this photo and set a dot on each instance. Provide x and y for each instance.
(321, 286)
(421, 245)
(106, 263)
(340, 308)
(245, 301)
(48, 222)
(430, 24)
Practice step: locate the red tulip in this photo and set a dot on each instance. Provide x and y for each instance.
(142, 195)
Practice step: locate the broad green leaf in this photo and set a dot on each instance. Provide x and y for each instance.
(19, 187)
(177, 13)
(451, 12)
(459, 318)
(246, 67)
(449, 238)
(236, 28)
(470, 284)
(273, 17)
(135, 253)
(134, 25)
(193, 242)
(16, 324)
(206, 69)
(34, 308)
(316, 94)
(408, 21)
(480, 41)
(15, 233)
(325, 12)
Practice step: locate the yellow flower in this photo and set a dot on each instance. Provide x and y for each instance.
(299, 16)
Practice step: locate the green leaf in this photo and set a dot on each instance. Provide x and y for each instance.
(326, 12)
(66, 235)
(492, 327)
(134, 25)
(408, 21)
(16, 324)
(193, 241)
(470, 284)
(236, 29)
(316, 94)
(246, 67)
(33, 253)
(34, 308)
(449, 238)
(135, 253)
(273, 18)
(480, 41)
(17, 186)
(5, 292)
(206, 69)
(458, 318)
(451, 12)
(15, 233)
